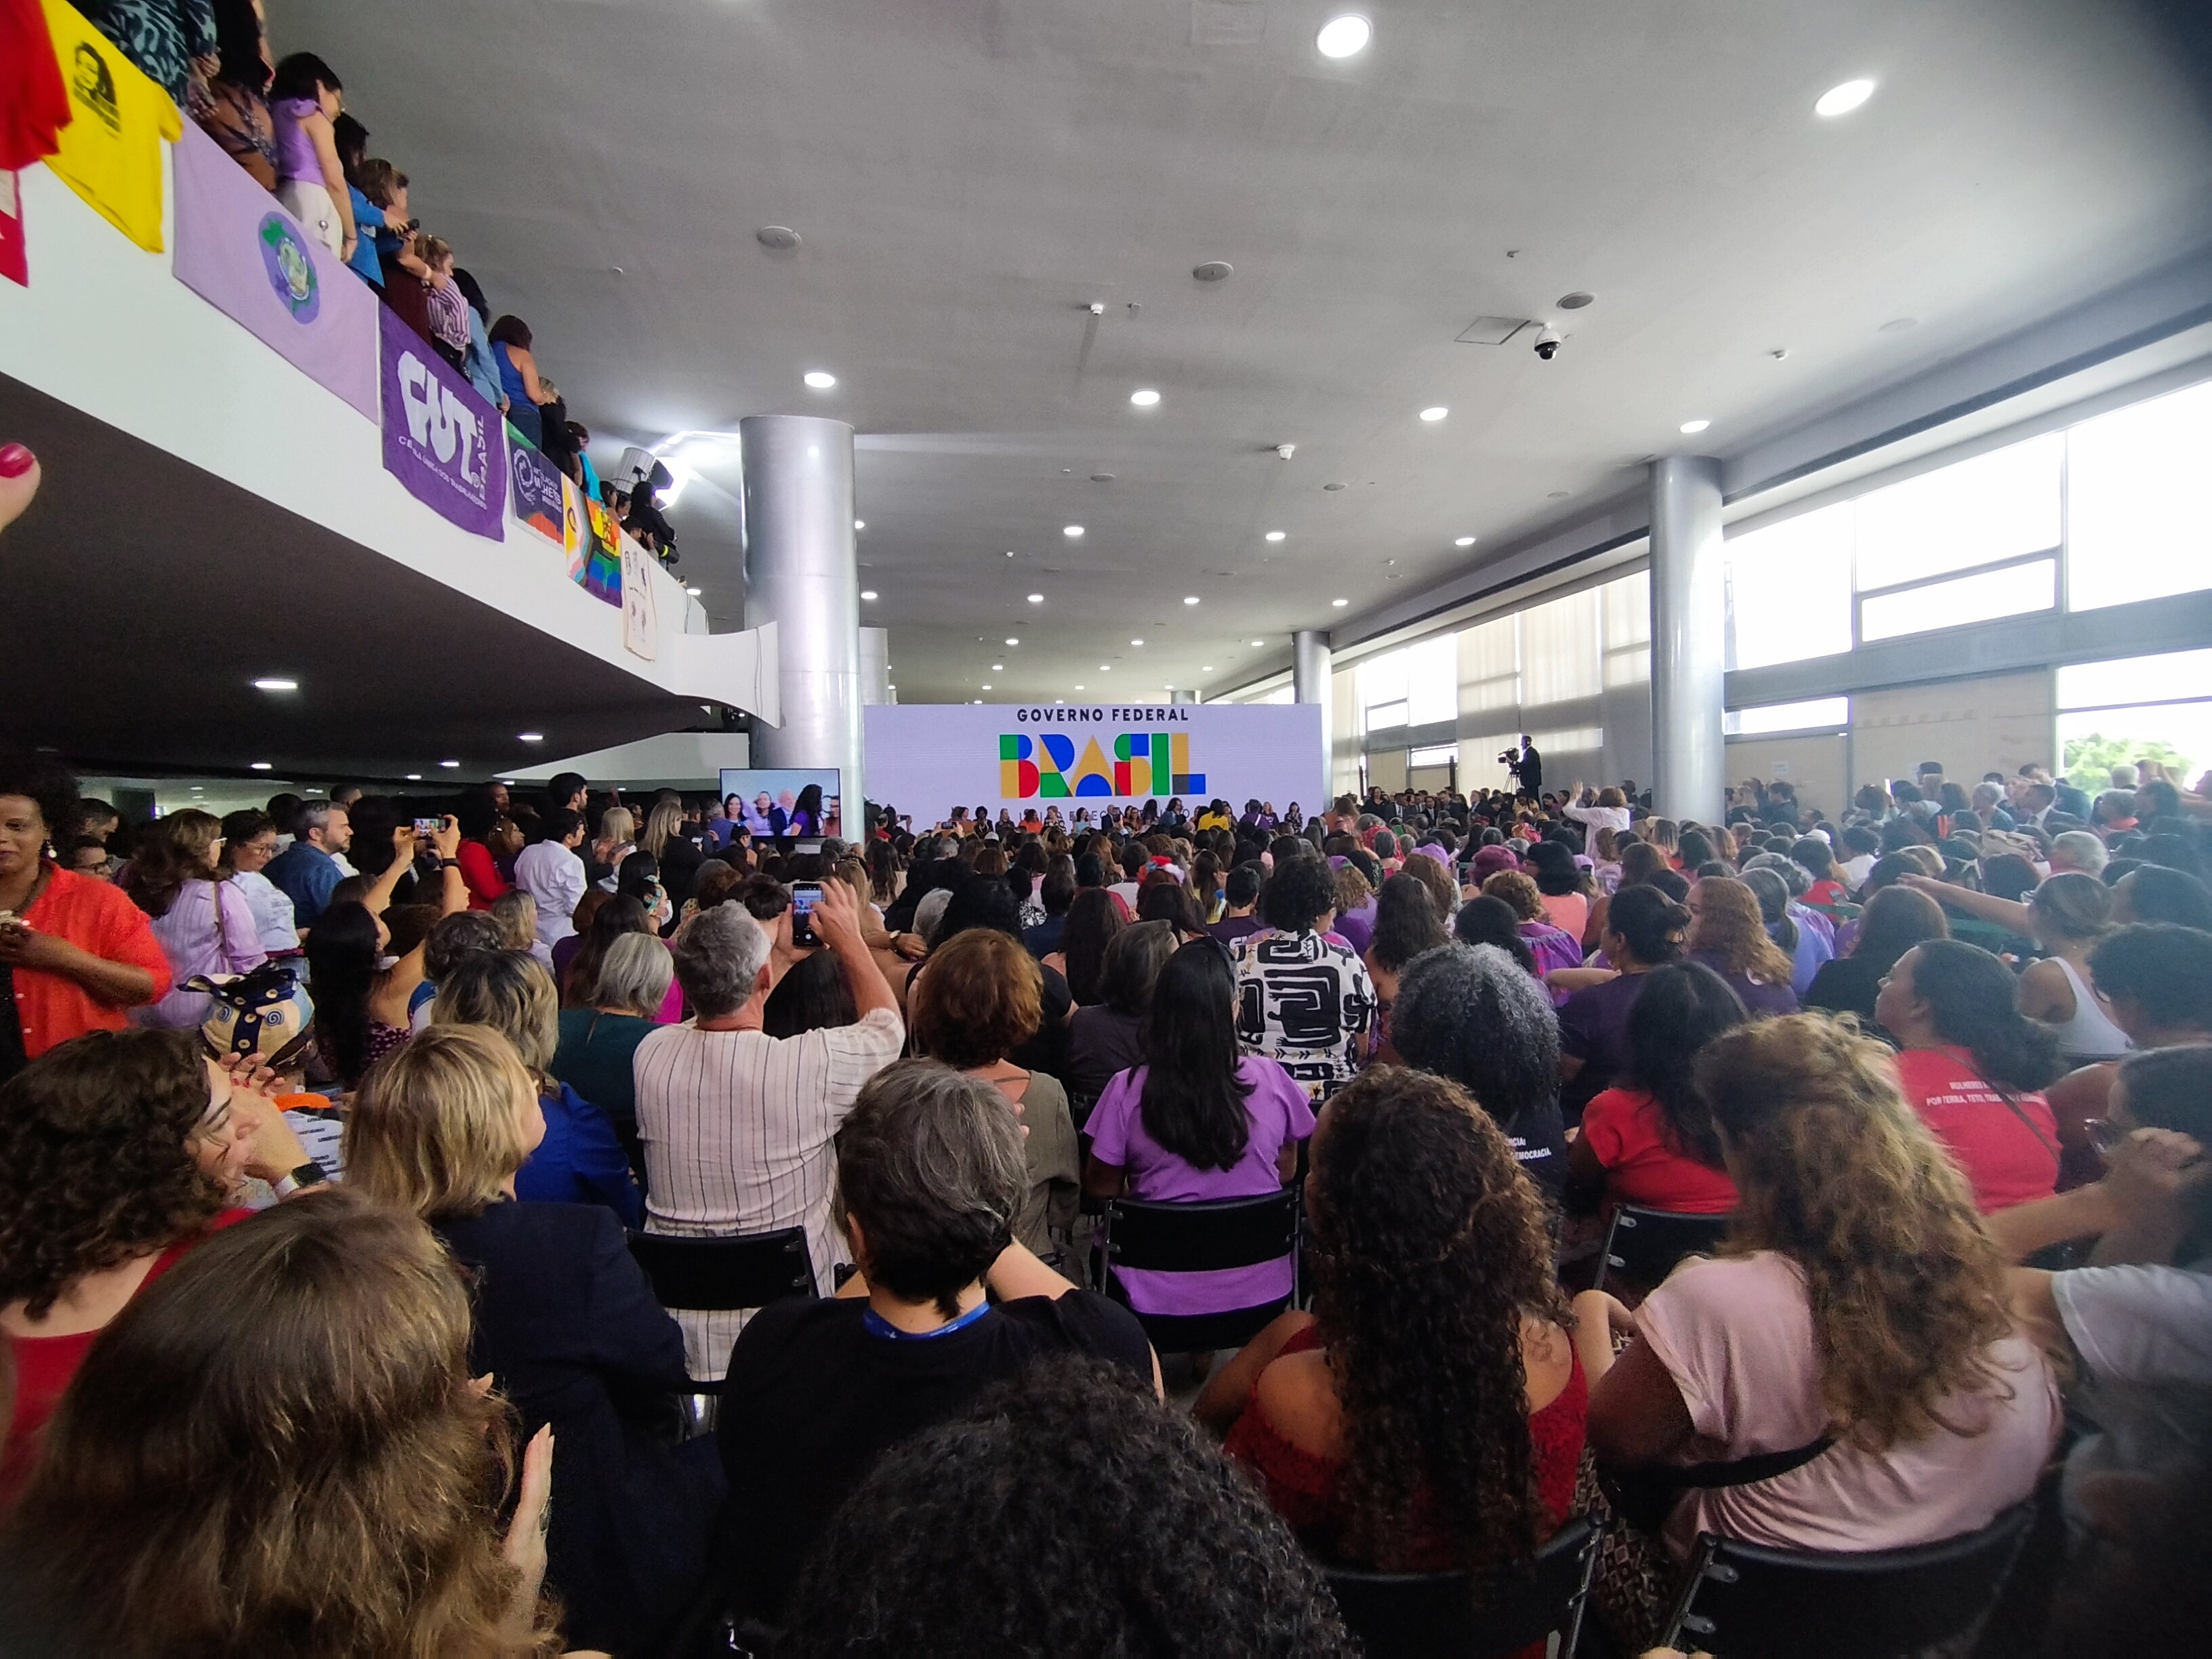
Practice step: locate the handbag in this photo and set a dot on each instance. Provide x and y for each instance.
(265, 1014)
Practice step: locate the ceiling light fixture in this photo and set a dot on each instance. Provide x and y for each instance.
(998, 668)
(263, 766)
(1072, 530)
(1259, 642)
(986, 685)
(1037, 599)
(276, 685)
(449, 765)
(1190, 599)
(693, 592)
(1435, 412)
(1339, 604)
(1695, 426)
(1144, 396)
(1205, 668)
(1843, 98)
(1345, 36)
(1103, 669)
(1136, 641)
(530, 737)
(413, 777)
(1463, 541)
(820, 379)
(1276, 534)
(860, 523)
(1079, 687)
(868, 593)
(1011, 639)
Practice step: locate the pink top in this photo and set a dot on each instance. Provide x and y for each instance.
(195, 944)
(1736, 1335)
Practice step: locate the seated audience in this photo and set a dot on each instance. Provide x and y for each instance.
(202, 920)
(577, 1158)
(1894, 921)
(1473, 1016)
(812, 996)
(1196, 1121)
(79, 953)
(736, 1124)
(984, 1502)
(1649, 1139)
(1104, 1037)
(2157, 980)
(930, 1179)
(577, 959)
(1429, 1413)
(563, 1320)
(119, 1151)
(1972, 1066)
(2152, 892)
(1240, 896)
(1856, 1315)
(1728, 934)
(1303, 995)
(1643, 930)
(1553, 947)
(597, 1054)
(1562, 885)
(515, 914)
(1407, 923)
(2068, 914)
(1805, 936)
(1094, 916)
(979, 1001)
(229, 1402)
(1487, 919)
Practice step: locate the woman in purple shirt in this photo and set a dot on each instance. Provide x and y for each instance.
(1643, 930)
(1196, 1121)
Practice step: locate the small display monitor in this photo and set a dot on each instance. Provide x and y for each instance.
(783, 804)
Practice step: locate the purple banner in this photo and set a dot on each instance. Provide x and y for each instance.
(443, 441)
(240, 251)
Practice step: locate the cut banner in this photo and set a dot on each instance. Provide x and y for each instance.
(440, 439)
(240, 251)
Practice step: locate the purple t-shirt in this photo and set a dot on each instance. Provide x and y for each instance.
(1357, 927)
(1280, 1114)
(1758, 999)
(1593, 1028)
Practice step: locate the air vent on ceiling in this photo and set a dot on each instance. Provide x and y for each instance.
(1491, 330)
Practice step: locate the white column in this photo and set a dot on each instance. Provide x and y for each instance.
(875, 665)
(1310, 682)
(1689, 639)
(800, 574)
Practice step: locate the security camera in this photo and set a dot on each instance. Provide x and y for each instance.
(1285, 450)
(1098, 308)
(1548, 340)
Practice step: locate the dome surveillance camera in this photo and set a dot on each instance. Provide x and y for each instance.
(1548, 340)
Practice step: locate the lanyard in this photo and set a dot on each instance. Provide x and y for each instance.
(875, 1325)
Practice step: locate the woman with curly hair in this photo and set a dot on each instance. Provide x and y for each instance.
(1856, 1314)
(1552, 946)
(1429, 1414)
(1974, 1066)
(1728, 934)
(118, 1152)
(199, 913)
(229, 1402)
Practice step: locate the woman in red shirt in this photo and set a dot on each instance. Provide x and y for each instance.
(75, 954)
(1649, 1140)
(1429, 1414)
(118, 1152)
(477, 814)
(1972, 1066)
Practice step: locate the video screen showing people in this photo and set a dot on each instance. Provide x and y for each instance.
(796, 805)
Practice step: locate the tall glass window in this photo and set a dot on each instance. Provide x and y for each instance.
(2137, 527)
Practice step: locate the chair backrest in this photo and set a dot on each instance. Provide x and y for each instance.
(1742, 1599)
(1644, 1245)
(1452, 1616)
(1199, 1237)
(711, 1275)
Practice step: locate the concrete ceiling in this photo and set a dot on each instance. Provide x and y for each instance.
(968, 176)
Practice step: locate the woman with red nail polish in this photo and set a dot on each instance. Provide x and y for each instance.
(19, 481)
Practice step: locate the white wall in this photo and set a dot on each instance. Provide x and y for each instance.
(1999, 723)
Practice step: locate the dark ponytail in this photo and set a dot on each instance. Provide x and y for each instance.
(1971, 994)
(1651, 924)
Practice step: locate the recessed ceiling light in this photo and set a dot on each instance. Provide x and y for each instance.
(1339, 604)
(986, 685)
(1079, 687)
(998, 668)
(263, 766)
(1463, 541)
(820, 379)
(276, 685)
(782, 237)
(1103, 669)
(449, 765)
(1072, 530)
(860, 523)
(1276, 534)
(693, 592)
(1695, 426)
(1344, 37)
(1259, 642)
(1435, 412)
(1574, 301)
(1011, 639)
(1190, 599)
(1136, 641)
(1144, 396)
(868, 593)
(1205, 668)
(1843, 100)
(1037, 599)
(530, 737)
(198, 789)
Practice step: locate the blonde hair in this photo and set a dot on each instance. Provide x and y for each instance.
(516, 913)
(1835, 1172)
(1611, 796)
(509, 991)
(433, 1128)
(432, 251)
(1731, 928)
(618, 826)
(662, 825)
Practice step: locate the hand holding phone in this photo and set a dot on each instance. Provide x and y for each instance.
(804, 895)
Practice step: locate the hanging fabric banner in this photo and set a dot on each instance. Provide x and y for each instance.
(239, 249)
(14, 259)
(440, 439)
(111, 150)
(599, 572)
(641, 616)
(543, 497)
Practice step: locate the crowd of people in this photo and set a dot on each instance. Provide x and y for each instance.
(1901, 1053)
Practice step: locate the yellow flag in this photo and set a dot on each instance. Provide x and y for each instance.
(111, 150)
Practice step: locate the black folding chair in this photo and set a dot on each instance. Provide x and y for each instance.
(1201, 1238)
(1458, 1615)
(1743, 1600)
(718, 1275)
(1644, 1245)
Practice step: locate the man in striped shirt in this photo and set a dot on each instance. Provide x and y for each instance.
(736, 1126)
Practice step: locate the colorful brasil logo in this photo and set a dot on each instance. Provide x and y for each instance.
(1044, 767)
